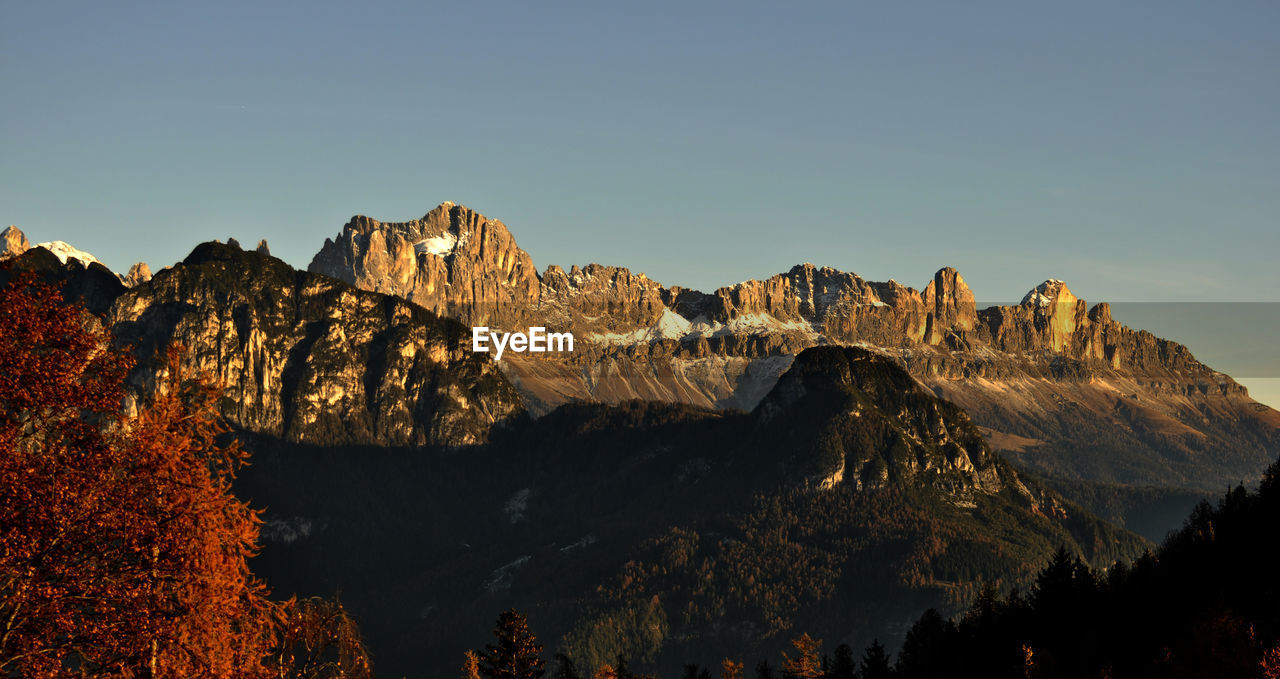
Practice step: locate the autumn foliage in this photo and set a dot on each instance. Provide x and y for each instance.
(515, 653)
(122, 549)
(805, 663)
(316, 639)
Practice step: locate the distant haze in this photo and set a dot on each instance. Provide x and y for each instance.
(1133, 150)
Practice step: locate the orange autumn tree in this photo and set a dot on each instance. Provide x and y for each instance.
(317, 639)
(122, 550)
(805, 664)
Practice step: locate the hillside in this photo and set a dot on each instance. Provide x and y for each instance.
(1058, 385)
(850, 500)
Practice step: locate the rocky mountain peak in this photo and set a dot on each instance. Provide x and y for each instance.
(13, 242)
(308, 358)
(65, 252)
(453, 261)
(842, 403)
(1052, 291)
(138, 273)
(952, 304)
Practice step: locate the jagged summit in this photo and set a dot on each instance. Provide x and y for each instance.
(13, 242)
(453, 261)
(1051, 369)
(65, 251)
(1052, 291)
(425, 224)
(371, 369)
(138, 273)
(459, 263)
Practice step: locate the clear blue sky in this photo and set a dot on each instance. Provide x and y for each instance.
(1133, 151)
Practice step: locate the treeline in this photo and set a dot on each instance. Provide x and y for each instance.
(124, 553)
(1206, 604)
(516, 654)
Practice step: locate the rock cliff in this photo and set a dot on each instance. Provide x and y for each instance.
(13, 242)
(453, 261)
(138, 273)
(866, 422)
(1061, 384)
(307, 358)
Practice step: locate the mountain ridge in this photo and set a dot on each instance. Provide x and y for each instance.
(849, 502)
(1052, 369)
(311, 359)
(399, 467)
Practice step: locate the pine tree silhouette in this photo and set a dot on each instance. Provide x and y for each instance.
(517, 653)
(875, 662)
(843, 666)
(565, 668)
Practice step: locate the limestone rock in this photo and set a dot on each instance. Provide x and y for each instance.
(1050, 369)
(138, 273)
(951, 303)
(311, 359)
(454, 262)
(13, 242)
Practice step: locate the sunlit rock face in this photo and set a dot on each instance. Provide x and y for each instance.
(311, 359)
(1067, 389)
(13, 242)
(454, 262)
(138, 273)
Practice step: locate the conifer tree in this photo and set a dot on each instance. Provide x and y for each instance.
(927, 649)
(470, 665)
(565, 668)
(843, 666)
(805, 664)
(517, 653)
(875, 662)
(730, 669)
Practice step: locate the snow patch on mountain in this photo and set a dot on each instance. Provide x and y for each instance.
(64, 251)
(760, 324)
(1047, 293)
(671, 325)
(584, 542)
(441, 246)
(500, 579)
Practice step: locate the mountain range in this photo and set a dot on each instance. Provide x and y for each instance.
(1058, 385)
(704, 473)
